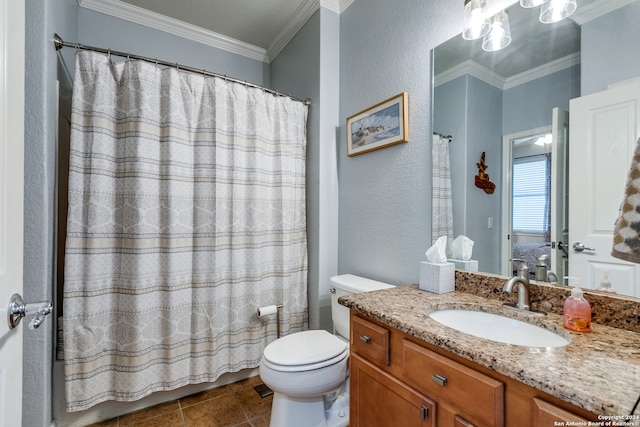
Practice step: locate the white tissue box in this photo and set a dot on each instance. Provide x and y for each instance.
(471, 265)
(437, 278)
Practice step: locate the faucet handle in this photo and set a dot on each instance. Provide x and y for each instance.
(523, 267)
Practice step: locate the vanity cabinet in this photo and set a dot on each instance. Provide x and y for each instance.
(378, 399)
(398, 380)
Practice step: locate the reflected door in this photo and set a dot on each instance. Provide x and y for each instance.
(559, 192)
(604, 129)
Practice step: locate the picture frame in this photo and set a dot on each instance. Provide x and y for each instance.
(379, 126)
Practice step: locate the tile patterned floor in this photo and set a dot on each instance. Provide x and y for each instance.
(234, 405)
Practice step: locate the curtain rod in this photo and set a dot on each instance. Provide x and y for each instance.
(59, 44)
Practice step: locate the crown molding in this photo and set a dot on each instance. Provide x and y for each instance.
(332, 5)
(542, 70)
(471, 68)
(344, 5)
(597, 9)
(297, 21)
(494, 79)
(138, 15)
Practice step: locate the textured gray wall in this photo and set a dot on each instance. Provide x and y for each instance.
(296, 71)
(385, 195)
(529, 105)
(43, 18)
(471, 111)
(610, 49)
(308, 67)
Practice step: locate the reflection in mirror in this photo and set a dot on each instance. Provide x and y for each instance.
(496, 101)
(527, 202)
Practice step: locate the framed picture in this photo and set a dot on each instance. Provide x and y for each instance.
(379, 126)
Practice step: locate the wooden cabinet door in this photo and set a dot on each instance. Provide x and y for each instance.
(459, 421)
(546, 414)
(378, 399)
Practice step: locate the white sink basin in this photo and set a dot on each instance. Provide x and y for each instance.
(498, 328)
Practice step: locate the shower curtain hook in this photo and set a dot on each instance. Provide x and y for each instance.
(109, 54)
(177, 66)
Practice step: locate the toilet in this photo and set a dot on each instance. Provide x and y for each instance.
(307, 371)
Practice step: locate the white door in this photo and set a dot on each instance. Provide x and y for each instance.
(559, 191)
(11, 190)
(604, 129)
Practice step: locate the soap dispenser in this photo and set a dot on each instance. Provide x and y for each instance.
(577, 310)
(541, 268)
(605, 284)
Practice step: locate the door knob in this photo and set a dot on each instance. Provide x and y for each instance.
(18, 309)
(579, 247)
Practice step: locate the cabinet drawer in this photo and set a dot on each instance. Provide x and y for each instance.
(546, 414)
(369, 340)
(473, 393)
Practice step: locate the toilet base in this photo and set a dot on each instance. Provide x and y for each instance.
(308, 412)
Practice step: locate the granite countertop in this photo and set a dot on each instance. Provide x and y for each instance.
(598, 371)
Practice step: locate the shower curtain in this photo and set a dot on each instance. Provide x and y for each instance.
(186, 213)
(441, 210)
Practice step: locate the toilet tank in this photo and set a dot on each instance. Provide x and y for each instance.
(347, 284)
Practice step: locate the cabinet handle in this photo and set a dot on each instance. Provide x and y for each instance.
(439, 379)
(424, 413)
(365, 339)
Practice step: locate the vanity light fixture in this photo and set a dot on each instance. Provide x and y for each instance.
(495, 29)
(500, 35)
(556, 10)
(476, 24)
(530, 3)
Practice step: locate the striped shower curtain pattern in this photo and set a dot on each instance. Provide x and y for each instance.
(441, 208)
(186, 213)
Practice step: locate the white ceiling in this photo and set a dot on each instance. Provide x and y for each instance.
(256, 22)
(258, 29)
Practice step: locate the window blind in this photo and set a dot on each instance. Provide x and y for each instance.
(530, 194)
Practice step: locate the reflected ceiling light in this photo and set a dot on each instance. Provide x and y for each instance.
(530, 3)
(476, 25)
(544, 140)
(556, 10)
(500, 35)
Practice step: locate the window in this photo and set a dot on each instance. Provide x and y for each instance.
(531, 194)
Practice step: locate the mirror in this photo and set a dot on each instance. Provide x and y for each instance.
(489, 101)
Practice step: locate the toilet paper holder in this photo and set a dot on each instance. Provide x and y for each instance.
(271, 309)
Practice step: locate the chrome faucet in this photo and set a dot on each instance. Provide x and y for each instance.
(522, 281)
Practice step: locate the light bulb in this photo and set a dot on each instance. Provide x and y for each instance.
(476, 25)
(530, 3)
(556, 10)
(500, 35)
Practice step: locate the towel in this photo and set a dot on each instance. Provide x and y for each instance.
(626, 233)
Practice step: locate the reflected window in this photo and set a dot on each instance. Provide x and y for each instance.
(532, 194)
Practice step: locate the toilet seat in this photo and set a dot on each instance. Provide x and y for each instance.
(305, 351)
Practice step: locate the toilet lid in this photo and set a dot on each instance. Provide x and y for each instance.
(304, 348)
